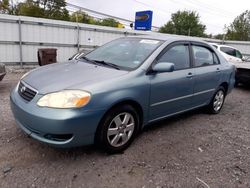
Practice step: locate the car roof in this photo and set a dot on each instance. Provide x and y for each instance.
(167, 37)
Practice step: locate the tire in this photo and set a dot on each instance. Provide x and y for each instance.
(118, 129)
(217, 101)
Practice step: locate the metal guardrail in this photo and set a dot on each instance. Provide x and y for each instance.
(48, 44)
(66, 26)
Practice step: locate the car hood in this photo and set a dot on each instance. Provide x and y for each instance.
(60, 76)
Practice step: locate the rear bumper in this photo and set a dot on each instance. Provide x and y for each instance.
(58, 127)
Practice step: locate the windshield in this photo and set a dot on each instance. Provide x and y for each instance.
(127, 53)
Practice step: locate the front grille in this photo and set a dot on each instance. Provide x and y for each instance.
(58, 137)
(26, 92)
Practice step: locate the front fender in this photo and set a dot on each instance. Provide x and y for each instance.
(138, 94)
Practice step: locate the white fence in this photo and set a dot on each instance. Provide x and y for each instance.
(21, 37)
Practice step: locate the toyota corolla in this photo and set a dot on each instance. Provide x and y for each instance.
(110, 94)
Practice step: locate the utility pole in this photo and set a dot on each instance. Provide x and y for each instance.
(189, 32)
(223, 39)
(12, 7)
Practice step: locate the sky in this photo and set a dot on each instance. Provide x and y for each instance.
(215, 14)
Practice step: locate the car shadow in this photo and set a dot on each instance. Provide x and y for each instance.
(94, 150)
(171, 121)
(78, 151)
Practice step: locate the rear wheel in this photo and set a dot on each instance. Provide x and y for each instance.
(217, 102)
(118, 129)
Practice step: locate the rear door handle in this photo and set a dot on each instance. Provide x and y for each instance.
(218, 70)
(190, 75)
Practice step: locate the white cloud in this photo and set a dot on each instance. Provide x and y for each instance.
(214, 14)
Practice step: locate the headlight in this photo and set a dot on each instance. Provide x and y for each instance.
(65, 99)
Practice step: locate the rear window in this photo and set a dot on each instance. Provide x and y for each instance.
(202, 56)
(229, 51)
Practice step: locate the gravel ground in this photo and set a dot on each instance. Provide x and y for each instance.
(191, 150)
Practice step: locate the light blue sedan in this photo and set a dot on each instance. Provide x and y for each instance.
(110, 94)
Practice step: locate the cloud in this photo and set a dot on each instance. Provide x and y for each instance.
(213, 13)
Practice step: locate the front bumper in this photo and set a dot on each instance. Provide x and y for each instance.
(58, 127)
(243, 76)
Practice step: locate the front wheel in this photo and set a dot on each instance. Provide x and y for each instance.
(217, 102)
(118, 129)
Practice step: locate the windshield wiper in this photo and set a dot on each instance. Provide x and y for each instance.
(89, 60)
(96, 62)
(107, 64)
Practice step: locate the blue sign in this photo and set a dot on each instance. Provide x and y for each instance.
(143, 20)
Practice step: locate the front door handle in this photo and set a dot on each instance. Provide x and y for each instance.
(190, 75)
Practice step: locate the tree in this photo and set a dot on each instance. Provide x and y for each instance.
(6, 7)
(240, 28)
(30, 8)
(184, 23)
(82, 17)
(109, 22)
(52, 9)
(219, 36)
(208, 35)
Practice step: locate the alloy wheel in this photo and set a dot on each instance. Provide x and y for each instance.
(121, 129)
(218, 100)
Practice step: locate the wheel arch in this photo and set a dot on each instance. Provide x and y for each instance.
(136, 105)
(225, 86)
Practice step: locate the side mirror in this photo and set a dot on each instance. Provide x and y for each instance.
(244, 58)
(163, 67)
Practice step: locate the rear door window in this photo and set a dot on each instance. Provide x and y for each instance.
(202, 56)
(216, 59)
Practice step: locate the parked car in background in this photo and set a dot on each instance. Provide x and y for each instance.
(2, 71)
(246, 58)
(110, 94)
(234, 56)
(242, 75)
(231, 54)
